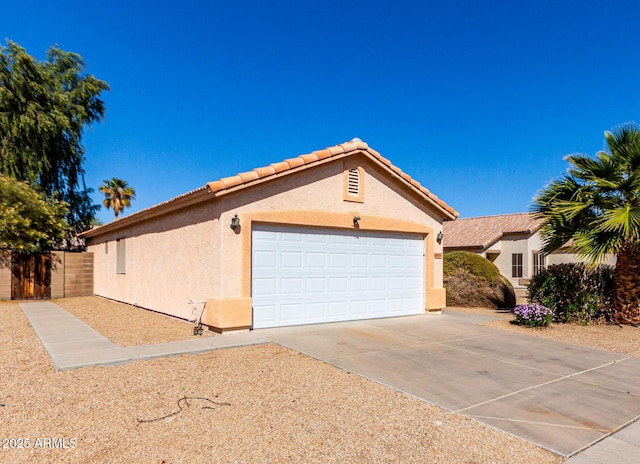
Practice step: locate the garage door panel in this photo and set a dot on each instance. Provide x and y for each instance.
(266, 315)
(292, 237)
(358, 284)
(397, 261)
(359, 260)
(316, 259)
(265, 287)
(414, 263)
(378, 283)
(316, 238)
(315, 284)
(413, 283)
(339, 239)
(307, 275)
(338, 284)
(292, 259)
(266, 259)
(358, 307)
(396, 283)
(316, 311)
(291, 286)
(338, 309)
(291, 312)
(338, 260)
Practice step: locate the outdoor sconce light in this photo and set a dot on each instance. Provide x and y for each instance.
(235, 222)
(355, 221)
(439, 237)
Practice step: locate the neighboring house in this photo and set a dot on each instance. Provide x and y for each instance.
(511, 241)
(338, 234)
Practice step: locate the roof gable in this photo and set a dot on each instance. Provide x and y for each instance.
(287, 167)
(306, 161)
(482, 232)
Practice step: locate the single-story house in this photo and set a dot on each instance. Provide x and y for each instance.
(511, 241)
(334, 235)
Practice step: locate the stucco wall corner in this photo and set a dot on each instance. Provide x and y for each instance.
(226, 314)
(436, 299)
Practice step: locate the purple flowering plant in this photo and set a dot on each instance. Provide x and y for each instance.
(533, 315)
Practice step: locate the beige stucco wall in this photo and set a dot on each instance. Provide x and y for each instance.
(194, 254)
(169, 261)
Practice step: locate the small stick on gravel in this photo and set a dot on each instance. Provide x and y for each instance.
(185, 400)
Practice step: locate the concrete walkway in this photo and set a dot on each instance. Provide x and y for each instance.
(72, 344)
(561, 397)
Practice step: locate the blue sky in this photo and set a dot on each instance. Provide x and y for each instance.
(478, 100)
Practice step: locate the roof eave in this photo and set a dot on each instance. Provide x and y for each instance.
(189, 199)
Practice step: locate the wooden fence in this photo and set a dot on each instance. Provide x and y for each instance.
(57, 274)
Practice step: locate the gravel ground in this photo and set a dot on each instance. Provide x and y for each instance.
(253, 404)
(609, 337)
(127, 325)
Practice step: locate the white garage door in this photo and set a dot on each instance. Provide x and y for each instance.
(303, 275)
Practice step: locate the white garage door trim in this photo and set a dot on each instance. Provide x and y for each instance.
(305, 275)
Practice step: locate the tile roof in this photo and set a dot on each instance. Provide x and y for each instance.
(482, 232)
(266, 173)
(311, 159)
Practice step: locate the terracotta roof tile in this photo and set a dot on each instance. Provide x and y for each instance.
(322, 154)
(482, 232)
(349, 146)
(355, 146)
(249, 176)
(231, 181)
(294, 162)
(265, 171)
(310, 158)
(214, 186)
(280, 166)
(336, 150)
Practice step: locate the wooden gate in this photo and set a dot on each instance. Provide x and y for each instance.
(31, 276)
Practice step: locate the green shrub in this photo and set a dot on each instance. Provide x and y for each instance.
(574, 292)
(475, 264)
(474, 281)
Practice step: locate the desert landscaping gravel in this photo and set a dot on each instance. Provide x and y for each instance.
(260, 403)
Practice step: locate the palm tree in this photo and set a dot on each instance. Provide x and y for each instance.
(118, 195)
(595, 210)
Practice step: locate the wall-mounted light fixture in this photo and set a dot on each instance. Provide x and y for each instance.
(356, 220)
(439, 237)
(235, 222)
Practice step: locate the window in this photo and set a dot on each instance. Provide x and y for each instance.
(121, 255)
(353, 183)
(516, 265)
(538, 262)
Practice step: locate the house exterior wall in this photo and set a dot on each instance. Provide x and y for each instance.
(193, 254)
(563, 257)
(511, 244)
(169, 261)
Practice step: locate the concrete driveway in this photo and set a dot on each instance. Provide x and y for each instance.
(561, 397)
